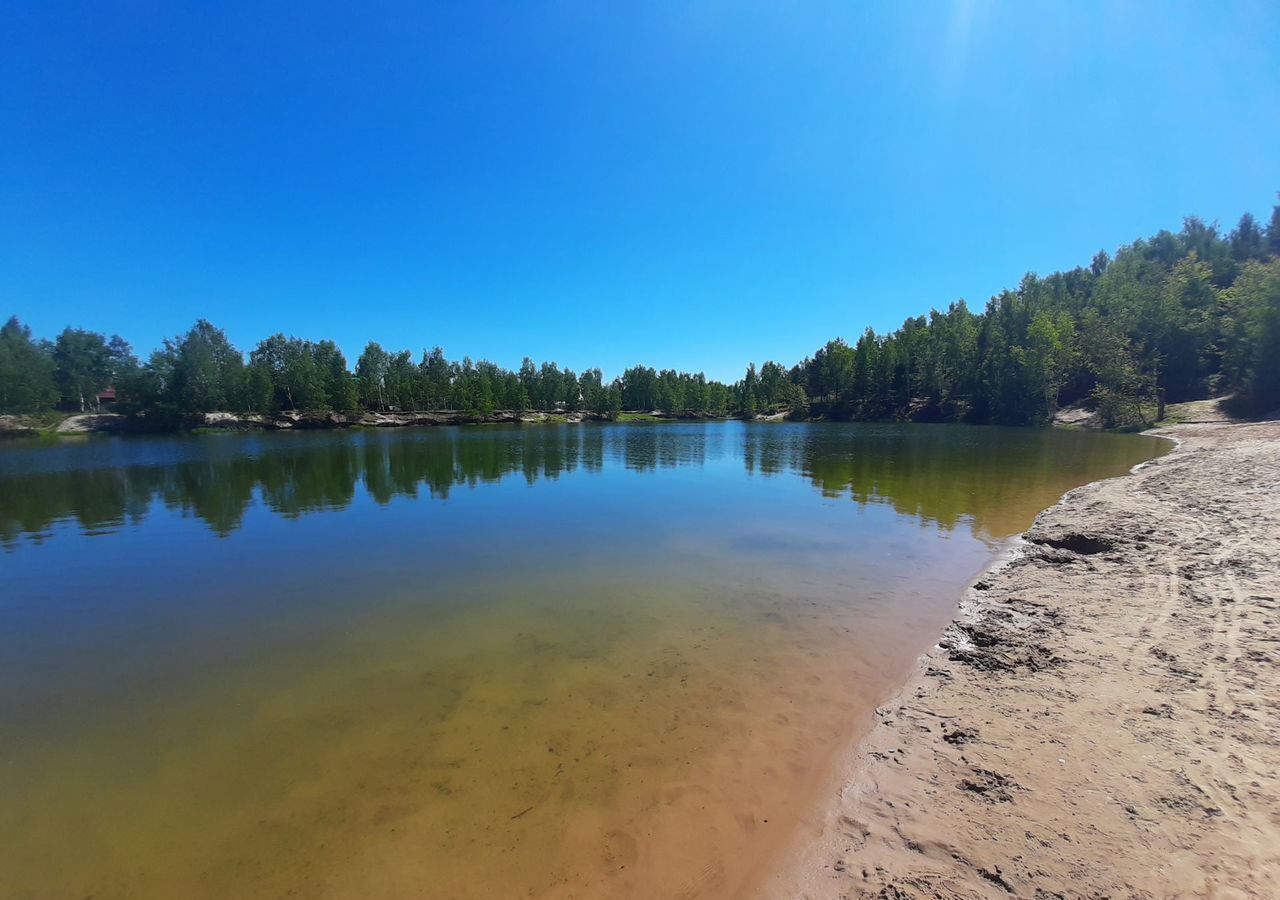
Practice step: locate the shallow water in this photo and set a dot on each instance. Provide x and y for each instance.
(569, 661)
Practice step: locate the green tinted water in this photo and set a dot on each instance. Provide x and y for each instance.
(555, 662)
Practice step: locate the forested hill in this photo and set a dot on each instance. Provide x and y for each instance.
(1177, 316)
(1171, 318)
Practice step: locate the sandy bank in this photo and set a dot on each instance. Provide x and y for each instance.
(86, 423)
(1103, 719)
(301, 421)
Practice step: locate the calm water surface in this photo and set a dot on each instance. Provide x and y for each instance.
(570, 661)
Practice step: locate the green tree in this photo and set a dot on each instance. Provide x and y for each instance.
(1120, 387)
(591, 386)
(26, 370)
(337, 383)
(259, 389)
(530, 382)
(1254, 362)
(1273, 232)
(199, 372)
(570, 391)
(296, 372)
(614, 401)
(82, 366)
(1192, 301)
(371, 371)
(1248, 242)
(436, 379)
(1101, 260)
(1051, 355)
(402, 382)
(638, 386)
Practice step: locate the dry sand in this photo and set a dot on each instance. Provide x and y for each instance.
(1103, 718)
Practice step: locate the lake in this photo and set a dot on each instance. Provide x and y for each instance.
(551, 661)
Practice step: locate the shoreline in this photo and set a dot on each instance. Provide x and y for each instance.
(1105, 692)
(106, 421)
(117, 423)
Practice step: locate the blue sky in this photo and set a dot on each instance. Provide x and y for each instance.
(692, 185)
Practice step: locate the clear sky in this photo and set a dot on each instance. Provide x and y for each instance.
(691, 185)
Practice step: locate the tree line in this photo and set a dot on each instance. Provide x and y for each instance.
(202, 372)
(1175, 317)
(1178, 316)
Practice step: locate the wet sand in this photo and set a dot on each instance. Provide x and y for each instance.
(1103, 717)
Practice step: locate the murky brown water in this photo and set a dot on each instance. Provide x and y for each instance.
(551, 662)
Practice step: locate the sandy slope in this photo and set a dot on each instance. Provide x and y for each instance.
(1103, 719)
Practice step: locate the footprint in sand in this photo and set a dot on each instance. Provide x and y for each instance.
(620, 849)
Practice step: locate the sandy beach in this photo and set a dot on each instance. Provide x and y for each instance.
(1103, 717)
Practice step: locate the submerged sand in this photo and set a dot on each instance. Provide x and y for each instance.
(1103, 718)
